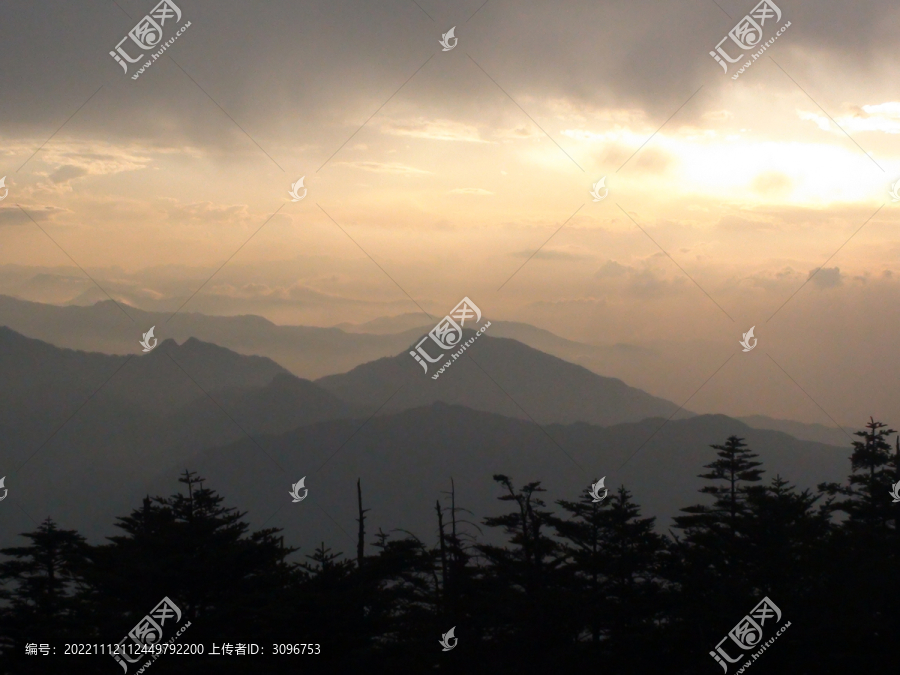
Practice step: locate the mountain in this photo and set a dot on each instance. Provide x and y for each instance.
(306, 351)
(313, 352)
(808, 432)
(405, 462)
(386, 325)
(41, 379)
(502, 376)
(96, 432)
(97, 424)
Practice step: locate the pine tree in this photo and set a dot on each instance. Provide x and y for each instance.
(44, 594)
(613, 559)
(707, 563)
(867, 499)
(522, 580)
(864, 553)
(200, 554)
(783, 534)
(735, 466)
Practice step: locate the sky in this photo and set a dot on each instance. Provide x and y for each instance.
(431, 175)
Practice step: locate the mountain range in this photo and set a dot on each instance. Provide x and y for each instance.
(405, 461)
(97, 431)
(314, 352)
(307, 351)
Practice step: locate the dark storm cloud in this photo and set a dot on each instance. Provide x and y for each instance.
(281, 69)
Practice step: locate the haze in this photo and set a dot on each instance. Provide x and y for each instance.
(725, 196)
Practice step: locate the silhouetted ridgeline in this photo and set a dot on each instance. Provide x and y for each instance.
(575, 586)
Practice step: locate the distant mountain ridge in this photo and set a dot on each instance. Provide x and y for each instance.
(405, 461)
(808, 432)
(307, 351)
(312, 352)
(100, 429)
(112, 419)
(505, 377)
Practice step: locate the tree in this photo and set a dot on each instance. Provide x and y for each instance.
(613, 566)
(864, 552)
(866, 495)
(199, 553)
(708, 562)
(44, 593)
(522, 581)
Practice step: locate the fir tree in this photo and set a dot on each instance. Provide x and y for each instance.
(614, 561)
(44, 593)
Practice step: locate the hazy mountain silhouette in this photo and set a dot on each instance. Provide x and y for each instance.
(587, 355)
(285, 403)
(386, 325)
(306, 351)
(153, 416)
(313, 352)
(499, 375)
(39, 377)
(405, 459)
(808, 432)
(135, 414)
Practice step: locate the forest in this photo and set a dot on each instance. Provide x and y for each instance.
(551, 585)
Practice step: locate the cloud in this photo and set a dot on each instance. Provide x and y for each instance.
(735, 223)
(74, 159)
(470, 191)
(386, 167)
(68, 172)
(717, 115)
(883, 117)
(825, 277)
(521, 132)
(11, 215)
(611, 269)
(551, 254)
(209, 212)
(773, 184)
(438, 130)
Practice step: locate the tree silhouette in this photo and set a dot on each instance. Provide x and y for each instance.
(708, 560)
(613, 566)
(864, 553)
(594, 583)
(44, 595)
(522, 580)
(197, 552)
(867, 493)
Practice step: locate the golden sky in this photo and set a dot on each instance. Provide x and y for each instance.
(432, 175)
